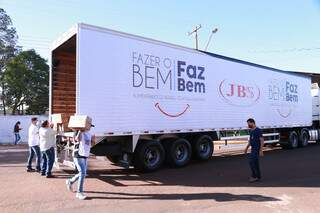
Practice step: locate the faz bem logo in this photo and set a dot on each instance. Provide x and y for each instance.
(239, 93)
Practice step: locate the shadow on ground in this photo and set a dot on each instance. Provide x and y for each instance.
(280, 168)
(219, 197)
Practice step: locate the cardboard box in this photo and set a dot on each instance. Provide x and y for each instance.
(80, 122)
(60, 122)
(59, 118)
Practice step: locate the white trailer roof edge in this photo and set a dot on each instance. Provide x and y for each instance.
(65, 36)
(76, 29)
(200, 52)
(137, 37)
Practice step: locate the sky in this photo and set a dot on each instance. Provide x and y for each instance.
(281, 34)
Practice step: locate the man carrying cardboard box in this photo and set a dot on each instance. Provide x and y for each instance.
(83, 141)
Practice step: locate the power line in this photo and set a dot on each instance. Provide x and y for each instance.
(34, 39)
(287, 50)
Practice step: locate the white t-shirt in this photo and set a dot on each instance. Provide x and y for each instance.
(33, 135)
(47, 138)
(85, 144)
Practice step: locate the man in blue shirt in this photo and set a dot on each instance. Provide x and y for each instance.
(256, 143)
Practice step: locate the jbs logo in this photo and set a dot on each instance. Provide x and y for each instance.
(239, 93)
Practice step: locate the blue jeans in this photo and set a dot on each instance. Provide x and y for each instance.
(254, 165)
(47, 161)
(81, 164)
(34, 150)
(17, 138)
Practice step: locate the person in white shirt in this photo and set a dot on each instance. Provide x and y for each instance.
(81, 153)
(47, 145)
(33, 142)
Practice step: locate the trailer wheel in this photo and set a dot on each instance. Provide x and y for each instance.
(148, 156)
(293, 140)
(304, 138)
(178, 152)
(202, 147)
(113, 158)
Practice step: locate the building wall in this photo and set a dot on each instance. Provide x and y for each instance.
(7, 123)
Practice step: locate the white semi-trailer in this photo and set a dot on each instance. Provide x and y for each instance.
(153, 101)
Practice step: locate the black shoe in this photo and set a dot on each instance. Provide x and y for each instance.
(49, 176)
(31, 170)
(253, 180)
(38, 170)
(43, 174)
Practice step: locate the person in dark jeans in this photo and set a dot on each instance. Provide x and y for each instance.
(33, 143)
(34, 150)
(47, 162)
(256, 143)
(47, 144)
(16, 131)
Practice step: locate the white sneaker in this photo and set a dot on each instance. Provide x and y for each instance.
(80, 196)
(69, 185)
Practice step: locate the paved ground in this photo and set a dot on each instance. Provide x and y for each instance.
(291, 184)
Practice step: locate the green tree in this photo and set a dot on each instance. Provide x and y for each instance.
(26, 79)
(8, 40)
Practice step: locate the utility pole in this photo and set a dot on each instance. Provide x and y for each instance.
(196, 29)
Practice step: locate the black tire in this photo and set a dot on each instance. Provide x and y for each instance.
(148, 156)
(318, 140)
(293, 140)
(178, 152)
(202, 147)
(304, 138)
(114, 158)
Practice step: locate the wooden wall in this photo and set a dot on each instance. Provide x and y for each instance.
(64, 83)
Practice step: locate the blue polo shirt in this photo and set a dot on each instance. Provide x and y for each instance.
(255, 143)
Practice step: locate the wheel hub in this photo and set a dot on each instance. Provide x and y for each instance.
(151, 157)
(181, 152)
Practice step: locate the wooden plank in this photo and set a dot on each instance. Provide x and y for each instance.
(64, 93)
(65, 56)
(66, 99)
(64, 80)
(64, 66)
(59, 78)
(57, 99)
(68, 74)
(69, 89)
(64, 108)
(62, 90)
(63, 84)
(64, 102)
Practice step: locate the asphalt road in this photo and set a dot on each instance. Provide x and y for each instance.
(290, 184)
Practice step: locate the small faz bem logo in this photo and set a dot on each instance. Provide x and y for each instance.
(239, 93)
